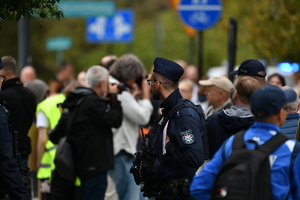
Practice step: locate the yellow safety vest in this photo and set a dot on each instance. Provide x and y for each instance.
(52, 112)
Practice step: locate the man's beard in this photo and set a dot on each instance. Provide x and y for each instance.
(155, 95)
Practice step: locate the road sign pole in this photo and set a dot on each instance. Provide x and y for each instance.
(200, 15)
(24, 57)
(200, 52)
(191, 50)
(232, 45)
(59, 56)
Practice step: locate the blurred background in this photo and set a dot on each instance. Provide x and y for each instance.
(266, 30)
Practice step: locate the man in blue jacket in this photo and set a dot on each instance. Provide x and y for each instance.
(268, 104)
(291, 123)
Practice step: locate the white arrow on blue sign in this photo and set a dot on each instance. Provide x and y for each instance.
(118, 28)
(200, 14)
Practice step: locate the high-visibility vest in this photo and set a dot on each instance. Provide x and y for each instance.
(53, 113)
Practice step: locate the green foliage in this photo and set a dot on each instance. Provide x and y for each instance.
(12, 10)
(158, 31)
(275, 29)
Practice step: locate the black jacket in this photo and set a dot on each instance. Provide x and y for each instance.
(90, 134)
(20, 102)
(225, 123)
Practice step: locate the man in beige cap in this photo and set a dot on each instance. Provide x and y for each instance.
(218, 94)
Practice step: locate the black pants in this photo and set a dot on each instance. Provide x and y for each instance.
(63, 189)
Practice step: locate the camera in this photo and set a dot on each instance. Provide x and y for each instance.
(121, 87)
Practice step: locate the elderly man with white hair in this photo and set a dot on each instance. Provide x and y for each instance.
(218, 92)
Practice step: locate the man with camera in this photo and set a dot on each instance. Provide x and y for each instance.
(92, 112)
(11, 183)
(129, 71)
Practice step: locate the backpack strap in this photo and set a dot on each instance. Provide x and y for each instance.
(185, 104)
(238, 141)
(72, 118)
(200, 118)
(272, 144)
(176, 108)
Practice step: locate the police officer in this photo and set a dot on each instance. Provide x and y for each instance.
(178, 146)
(11, 182)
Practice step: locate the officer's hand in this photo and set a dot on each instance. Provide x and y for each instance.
(167, 139)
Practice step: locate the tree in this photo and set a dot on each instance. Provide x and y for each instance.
(12, 10)
(275, 27)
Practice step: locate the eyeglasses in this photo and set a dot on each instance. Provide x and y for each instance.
(3, 78)
(149, 81)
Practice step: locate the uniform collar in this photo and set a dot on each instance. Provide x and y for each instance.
(174, 98)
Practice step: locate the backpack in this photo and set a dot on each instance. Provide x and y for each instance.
(148, 163)
(245, 174)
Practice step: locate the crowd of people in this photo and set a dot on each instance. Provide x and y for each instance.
(136, 135)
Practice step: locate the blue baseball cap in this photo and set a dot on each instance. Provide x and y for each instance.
(250, 67)
(168, 68)
(268, 100)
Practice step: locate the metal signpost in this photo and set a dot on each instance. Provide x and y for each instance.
(200, 15)
(59, 44)
(81, 9)
(70, 9)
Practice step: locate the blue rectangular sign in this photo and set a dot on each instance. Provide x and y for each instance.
(87, 8)
(118, 28)
(58, 43)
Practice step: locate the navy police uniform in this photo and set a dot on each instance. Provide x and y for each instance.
(11, 182)
(173, 164)
(184, 151)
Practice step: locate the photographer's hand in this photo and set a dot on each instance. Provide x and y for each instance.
(136, 91)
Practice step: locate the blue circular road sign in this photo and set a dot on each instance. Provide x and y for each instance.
(200, 14)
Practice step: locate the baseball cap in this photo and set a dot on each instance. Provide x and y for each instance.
(168, 68)
(250, 67)
(268, 100)
(221, 82)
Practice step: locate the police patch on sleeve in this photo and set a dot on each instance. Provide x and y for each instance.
(187, 137)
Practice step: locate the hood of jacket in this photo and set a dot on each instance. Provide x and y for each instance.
(73, 98)
(236, 118)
